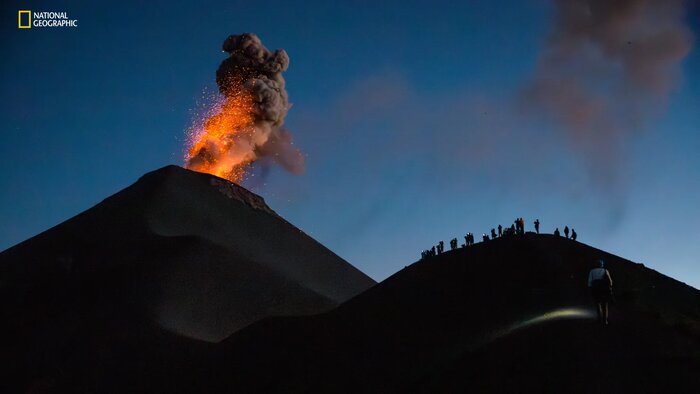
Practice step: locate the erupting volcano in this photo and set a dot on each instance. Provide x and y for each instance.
(245, 125)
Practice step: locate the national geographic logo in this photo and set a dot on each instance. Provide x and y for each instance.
(27, 19)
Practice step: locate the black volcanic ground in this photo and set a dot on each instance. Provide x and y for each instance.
(442, 325)
(200, 255)
(177, 251)
(453, 323)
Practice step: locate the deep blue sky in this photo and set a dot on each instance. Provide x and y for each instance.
(404, 110)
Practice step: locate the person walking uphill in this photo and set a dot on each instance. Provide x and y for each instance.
(600, 284)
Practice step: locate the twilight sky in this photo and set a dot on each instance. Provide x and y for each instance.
(411, 114)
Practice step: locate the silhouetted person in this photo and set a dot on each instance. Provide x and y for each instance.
(493, 233)
(520, 226)
(556, 232)
(600, 284)
(441, 247)
(537, 225)
(500, 230)
(573, 234)
(566, 231)
(453, 244)
(432, 251)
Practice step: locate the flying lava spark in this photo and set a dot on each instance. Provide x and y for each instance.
(246, 122)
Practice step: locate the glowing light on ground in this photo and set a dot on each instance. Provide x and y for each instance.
(565, 313)
(556, 314)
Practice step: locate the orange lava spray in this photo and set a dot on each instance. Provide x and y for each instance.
(245, 123)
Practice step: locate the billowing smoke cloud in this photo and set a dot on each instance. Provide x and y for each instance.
(248, 125)
(253, 67)
(608, 66)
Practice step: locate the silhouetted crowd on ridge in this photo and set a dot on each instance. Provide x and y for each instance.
(517, 228)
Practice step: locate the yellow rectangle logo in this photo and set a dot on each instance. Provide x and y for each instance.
(28, 14)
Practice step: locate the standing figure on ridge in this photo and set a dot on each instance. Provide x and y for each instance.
(537, 225)
(453, 244)
(600, 284)
(493, 233)
(520, 226)
(556, 232)
(441, 247)
(573, 234)
(566, 231)
(500, 231)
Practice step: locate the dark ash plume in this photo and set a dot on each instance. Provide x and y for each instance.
(253, 67)
(256, 104)
(608, 66)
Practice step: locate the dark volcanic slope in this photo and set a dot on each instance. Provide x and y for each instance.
(509, 315)
(198, 255)
(476, 319)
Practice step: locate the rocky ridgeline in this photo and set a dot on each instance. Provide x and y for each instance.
(233, 191)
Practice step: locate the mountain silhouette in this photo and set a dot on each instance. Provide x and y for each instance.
(132, 295)
(509, 315)
(179, 251)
